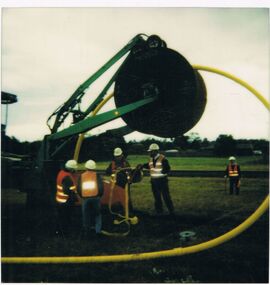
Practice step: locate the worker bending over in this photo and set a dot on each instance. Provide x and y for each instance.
(234, 173)
(159, 168)
(91, 188)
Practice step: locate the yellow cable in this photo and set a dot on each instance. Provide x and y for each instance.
(81, 136)
(124, 219)
(147, 255)
(165, 253)
(237, 80)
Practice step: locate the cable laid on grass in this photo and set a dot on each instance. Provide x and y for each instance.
(165, 253)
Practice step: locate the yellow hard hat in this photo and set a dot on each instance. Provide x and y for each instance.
(232, 158)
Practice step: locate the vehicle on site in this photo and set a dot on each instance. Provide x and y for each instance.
(156, 91)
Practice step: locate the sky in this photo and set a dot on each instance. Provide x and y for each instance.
(47, 53)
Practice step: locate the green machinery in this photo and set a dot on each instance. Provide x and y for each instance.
(156, 91)
(153, 84)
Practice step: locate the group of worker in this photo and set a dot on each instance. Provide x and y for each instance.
(87, 188)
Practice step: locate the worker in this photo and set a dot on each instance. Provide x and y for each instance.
(234, 173)
(91, 189)
(159, 168)
(118, 162)
(120, 166)
(66, 194)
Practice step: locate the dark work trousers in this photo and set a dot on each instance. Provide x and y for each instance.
(91, 214)
(65, 212)
(234, 189)
(130, 205)
(160, 188)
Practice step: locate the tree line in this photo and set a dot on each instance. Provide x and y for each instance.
(101, 147)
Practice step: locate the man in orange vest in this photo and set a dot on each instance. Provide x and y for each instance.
(234, 173)
(159, 168)
(91, 189)
(66, 193)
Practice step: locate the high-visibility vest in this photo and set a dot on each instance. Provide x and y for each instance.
(156, 172)
(61, 197)
(233, 170)
(89, 185)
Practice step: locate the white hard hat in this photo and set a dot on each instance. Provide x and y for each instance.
(90, 164)
(153, 146)
(71, 164)
(117, 151)
(232, 158)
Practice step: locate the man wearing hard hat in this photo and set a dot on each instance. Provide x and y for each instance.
(234, 173)
(66, 192)
(91, 189)
(159, 168)
(119, 161)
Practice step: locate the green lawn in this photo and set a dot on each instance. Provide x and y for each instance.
(201, 204)
(198, 163)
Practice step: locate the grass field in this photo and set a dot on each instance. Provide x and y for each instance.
(198, 163)
(202, 206)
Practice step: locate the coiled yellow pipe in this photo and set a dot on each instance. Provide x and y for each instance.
(164, 253)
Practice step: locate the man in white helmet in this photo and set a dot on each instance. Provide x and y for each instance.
(118, 162)
(91, 190)
(234, 173)
(66, 193)
(159, 168)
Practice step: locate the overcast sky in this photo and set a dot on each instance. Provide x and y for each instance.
(48, 52)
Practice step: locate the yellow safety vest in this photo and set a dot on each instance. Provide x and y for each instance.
(156, 172)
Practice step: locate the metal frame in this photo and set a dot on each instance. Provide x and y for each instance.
(84, 124)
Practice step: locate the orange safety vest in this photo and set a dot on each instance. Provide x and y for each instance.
(89, 184)
(233, 170)
(156, 172)
(61, 197)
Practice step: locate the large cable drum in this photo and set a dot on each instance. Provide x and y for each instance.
(153, 69)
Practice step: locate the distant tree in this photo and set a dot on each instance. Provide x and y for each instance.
(135, 148)
(167, 144)
(194, 141)
(225, 145)
(101, 147)
(205, 142)
(181, 142)
(11, 145)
